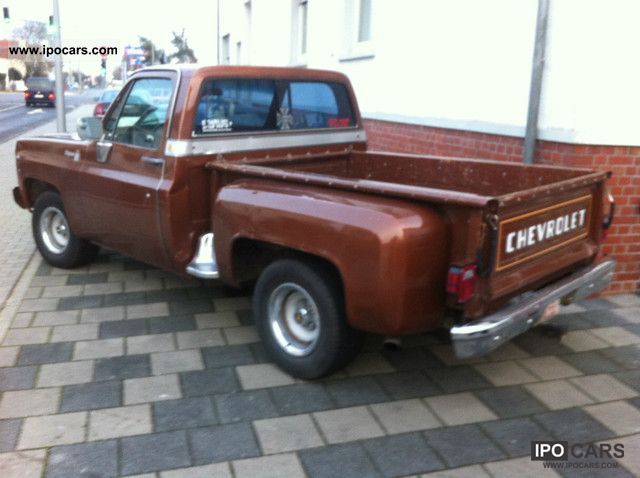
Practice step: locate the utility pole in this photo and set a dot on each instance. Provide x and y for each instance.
(61, 123)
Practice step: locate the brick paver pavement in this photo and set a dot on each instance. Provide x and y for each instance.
(168, 380)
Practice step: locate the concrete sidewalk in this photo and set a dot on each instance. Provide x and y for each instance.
(16, 243)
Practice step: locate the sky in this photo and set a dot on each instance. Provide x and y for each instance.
(120, 22)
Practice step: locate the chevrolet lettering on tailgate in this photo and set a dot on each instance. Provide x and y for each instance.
(535, 233)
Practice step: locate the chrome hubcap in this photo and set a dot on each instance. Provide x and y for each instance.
(294, 319)
(54, 230)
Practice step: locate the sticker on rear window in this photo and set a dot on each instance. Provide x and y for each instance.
(338, 122)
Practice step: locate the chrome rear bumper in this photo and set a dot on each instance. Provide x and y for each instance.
(520, 314)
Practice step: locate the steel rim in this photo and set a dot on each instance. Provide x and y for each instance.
(294, 319)
(54, 230)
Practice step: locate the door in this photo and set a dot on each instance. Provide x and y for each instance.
(120, 195)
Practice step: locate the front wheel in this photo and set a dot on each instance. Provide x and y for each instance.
(300, 317)
(54, 239)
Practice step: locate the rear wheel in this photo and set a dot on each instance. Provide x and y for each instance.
(53, 236)
(300, 317)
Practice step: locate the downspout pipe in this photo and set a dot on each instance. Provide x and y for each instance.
(535, 88)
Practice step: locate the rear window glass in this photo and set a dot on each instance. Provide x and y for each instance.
(39, 84)
(245, 105)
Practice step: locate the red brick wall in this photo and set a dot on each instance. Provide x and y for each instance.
(623, 241)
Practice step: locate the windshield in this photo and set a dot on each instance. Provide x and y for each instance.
(39, 84)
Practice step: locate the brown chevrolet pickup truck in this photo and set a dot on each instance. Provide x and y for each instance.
(262, 177)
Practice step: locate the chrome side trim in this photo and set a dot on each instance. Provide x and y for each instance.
(204, 264)
(227, 144)
(525, 311)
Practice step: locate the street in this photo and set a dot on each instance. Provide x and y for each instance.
(16, 118)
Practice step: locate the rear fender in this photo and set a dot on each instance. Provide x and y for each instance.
(391, 254)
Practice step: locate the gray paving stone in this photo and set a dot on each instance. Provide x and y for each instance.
(151, 389)
(80, 302)
(193, 306)
(62, 291)
(574, 425)
(102, 314)
(301, 398)
(186, 413)
(628, 356)
(123, 328)
(403, 416)
(229, 356)
(66, 317)
(8, 356)
(347, 424)
(356, 391)
(245, 406)
(51, 430)
(160, 451)
(402, 455)
(216, 320)
(89, 396)
(191, 339)
(446, 442)
(17, 378)
(39, 305)
(22, 320)
(592, 362)
(163, 325)
(119, 368)
(93, 349)
(119, 422)
(630, 377)
(27, 336)
(513, 401)
(144, 344)
(81, 279)
(126, 298)
(23, 464)
(515, 435)
(274, 466)
(145, 311)
(277, 435)
(348, 459)
(261, 376)
(459, 408)
(178, 361)
(403, 385)
(222, 442)
(215, 470)
(537, 343)
(73, 332)
(9, 430)
(65, 373)
(457, 379)
(28, 403)
(45, 353)
(208, 382)
(95, 459)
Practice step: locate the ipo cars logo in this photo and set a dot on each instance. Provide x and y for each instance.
(562, 451)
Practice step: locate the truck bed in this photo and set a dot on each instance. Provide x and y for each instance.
(487, 203)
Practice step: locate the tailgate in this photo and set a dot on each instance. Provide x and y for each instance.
(539, 235)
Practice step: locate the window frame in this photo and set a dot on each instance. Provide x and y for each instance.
(352, 48)
(279, 93)
(121, 100)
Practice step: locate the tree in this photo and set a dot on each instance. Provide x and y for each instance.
(152, 55)
(33, 34)
(14, 74)
(183, 53)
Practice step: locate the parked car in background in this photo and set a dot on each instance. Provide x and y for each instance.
(40, 91)
(104, 101)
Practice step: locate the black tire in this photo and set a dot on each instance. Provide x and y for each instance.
(54, 239)
(335, 343)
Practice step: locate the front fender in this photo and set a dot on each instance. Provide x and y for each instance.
(391, 253)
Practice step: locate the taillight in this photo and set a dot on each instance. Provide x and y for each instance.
(461, 281)
(51, 96)
(99, 109)
(27, 94)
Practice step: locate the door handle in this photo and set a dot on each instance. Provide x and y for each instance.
(154, 161)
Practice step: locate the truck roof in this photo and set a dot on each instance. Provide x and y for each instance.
(194, 69)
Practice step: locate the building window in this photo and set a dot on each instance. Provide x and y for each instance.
(358, 30)
(364, 21)
(299, 32)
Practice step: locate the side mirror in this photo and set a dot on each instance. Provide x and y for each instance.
(89, 127)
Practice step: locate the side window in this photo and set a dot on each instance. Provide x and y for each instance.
(139, 120)
(245, 105)
(235, 105)
(317, 105)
